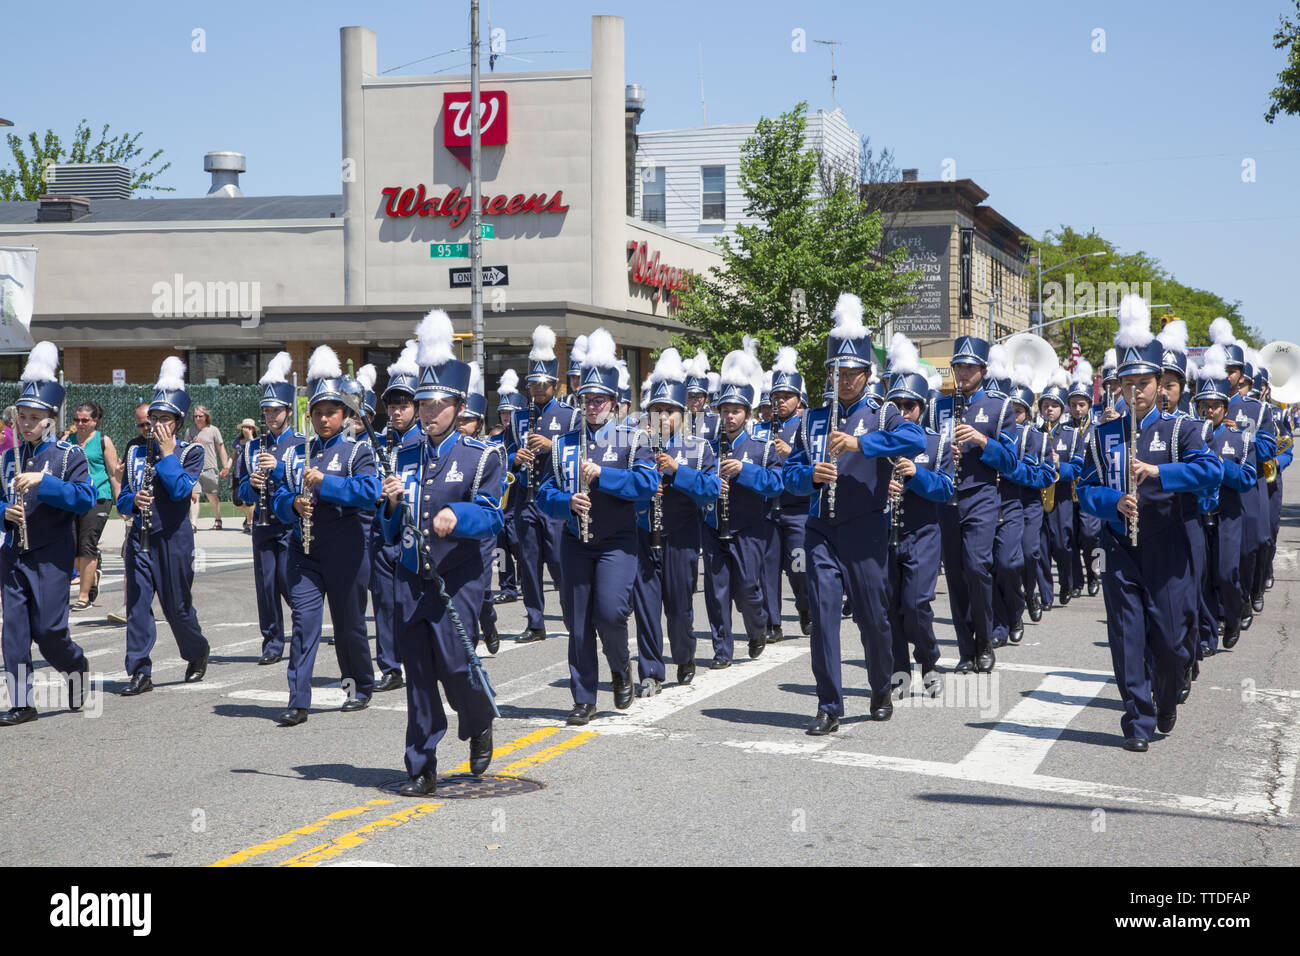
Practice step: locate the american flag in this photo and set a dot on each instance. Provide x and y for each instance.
(1076, 353)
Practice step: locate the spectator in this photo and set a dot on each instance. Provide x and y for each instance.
(8, 436)
(141, 432)
(247, 432)
(104, 468)
(204, 433)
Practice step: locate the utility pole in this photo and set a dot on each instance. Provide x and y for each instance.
(476, 189)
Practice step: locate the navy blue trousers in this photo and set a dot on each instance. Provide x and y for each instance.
(1008, 567)
(508, 547)
(332, 574)
(168, 571)
(733, 571)
(1208, 608)
(1142, 588)
(383, 573)
(786, 552)
(1227, 565)
(968, 531)
(271, 582)
(1031, 548)
(665, 586)
(487, 612)
(35, 589)
(849, 560)
(433, 653)
(913, 571)
(598, 586)
(1191, 604)
(1057, 546)
(539, 544)
(1087, 542)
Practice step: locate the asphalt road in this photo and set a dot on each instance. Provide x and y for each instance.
(1023, 767)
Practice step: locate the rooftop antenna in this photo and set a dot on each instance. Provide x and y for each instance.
(704, 113)
(832, 44)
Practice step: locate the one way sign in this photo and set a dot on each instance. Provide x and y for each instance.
(492, 275)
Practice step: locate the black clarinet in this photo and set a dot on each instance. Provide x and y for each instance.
(532, 465)
(264, 493)
(775, 432)
(958, 411)
(724, 499)
(146, 484)
(657, 502)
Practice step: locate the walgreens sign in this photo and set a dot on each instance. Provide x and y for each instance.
(494, 121)
(646, 270)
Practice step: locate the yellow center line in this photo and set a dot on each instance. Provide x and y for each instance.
(525, 741)
(292, 836)
(518, 768)
(359, 836)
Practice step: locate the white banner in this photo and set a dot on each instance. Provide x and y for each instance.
(17, 295)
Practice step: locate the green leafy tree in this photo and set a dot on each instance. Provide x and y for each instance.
(1098, 282)
(1285, 97)
(780, 277)
(25, 181)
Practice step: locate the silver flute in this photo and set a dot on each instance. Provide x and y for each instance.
(832, 425)
(17, 500)
(584, 519)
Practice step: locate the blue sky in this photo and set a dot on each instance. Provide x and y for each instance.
(1144, 141)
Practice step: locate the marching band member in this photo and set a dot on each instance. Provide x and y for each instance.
(509, 401)
(764, 411)
(598, 545)
(1113, 405)
(624, 410)
(1087, 527)
(573, 378)
(1143, 585)
(844, 464)
(736, 536)
(668, 562)
(788, 512)
(328, 483)
(715, 390)
(985, 447)
(48, 484)
(441, 505)
(1064, 451)
(918, 488)
(1268, 528)
(539, 533)
(403, 429)
(470, 423)
(264, 471)
(701, 420)
(162, 477)
(1281, 461)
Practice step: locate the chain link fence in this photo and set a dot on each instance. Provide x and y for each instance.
(229, 405)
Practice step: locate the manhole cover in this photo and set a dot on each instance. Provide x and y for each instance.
(468, 787)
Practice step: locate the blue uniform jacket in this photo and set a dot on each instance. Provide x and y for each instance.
(65, 492)
(553, 420)
(279, 446)
(628, 478)
(694, 487)
(759, 479)
(174, 479)
(349, 486)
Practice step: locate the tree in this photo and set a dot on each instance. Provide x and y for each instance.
(780, 278)
(1095, 283)
(1285, 97)
(26, 182)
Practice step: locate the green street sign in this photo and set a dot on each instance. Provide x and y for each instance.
(449, 250)
(485, 230)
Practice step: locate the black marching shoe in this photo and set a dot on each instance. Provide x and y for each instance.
(882, 708)
(580, 715)
(805, 623)
(1165, 722)
(1185, 688)
(1135, 744)
(491, 638)
(1231, 635)
(1067, 596)
(353, 704)
(1221, 629)
(480, 752)
(1268, 583)
(719, 664)
(826, 724)
(1246, 621)
(1035, 611)
(964, 666)
(1257, 602)
(846, 610)
(17, 715)
(421, 786)
(623, 691)
(140, 684)
(531, 635)
(984, 658)
(505, 597)
(1018, 633)
(293, 717)
(390, 681)
(774, 636)
(196, 671)
(685, 673)
(649, 687)
(756, 646)
(269, 657)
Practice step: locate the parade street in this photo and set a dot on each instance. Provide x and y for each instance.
(1021, 767)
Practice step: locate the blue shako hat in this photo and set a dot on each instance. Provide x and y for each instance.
(508, 396)
(1137, 351)
(366, 376)
(1173, 342)
(911, 385)
(403, 375)
(668, 380)
(849, 344)
(277, 390)
(624, 383)
(970, 350)
(1108, 363)
(697, 373)
(169, 394)
(997, 373)
(325, 381)
(577, 352)
(876, 390)
(1212, 380)
(542, 364)
(1057, 389)
(785, 372)
(41, 388)
(1221, 334)
(1081, 381)
(906, 380)
(741, 378)
(475, 401)
(715, 388)
(600, 366)
(765, 393)
(441, 373)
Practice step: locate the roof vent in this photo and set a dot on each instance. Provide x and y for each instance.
(62, 208)
(225, 168)
(91, 180)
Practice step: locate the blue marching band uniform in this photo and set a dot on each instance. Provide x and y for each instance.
(857, 504)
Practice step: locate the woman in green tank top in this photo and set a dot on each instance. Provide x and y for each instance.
(104, 467)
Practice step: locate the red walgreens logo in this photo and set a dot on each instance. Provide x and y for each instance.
(456, 120)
